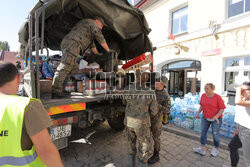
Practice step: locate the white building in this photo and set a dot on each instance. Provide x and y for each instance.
(212, 42)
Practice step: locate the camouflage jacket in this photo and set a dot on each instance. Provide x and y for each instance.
(84, 32)
(141, 105)
(163, 100)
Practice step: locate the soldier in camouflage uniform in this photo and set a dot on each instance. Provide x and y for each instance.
(77, 41)
(164, 104)
(139, 110)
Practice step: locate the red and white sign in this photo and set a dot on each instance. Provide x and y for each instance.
(211, 52)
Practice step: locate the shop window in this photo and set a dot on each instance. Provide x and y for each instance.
(230, 78)
(236, 7)
(184, 77)
(247, 74)
(184, 64)
(237, 70)
(180, 21)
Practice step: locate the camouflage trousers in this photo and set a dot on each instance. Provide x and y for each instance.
(140, 141)
(68, 64)
(156, 125)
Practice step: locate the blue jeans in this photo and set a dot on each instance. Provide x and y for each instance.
(205, 124)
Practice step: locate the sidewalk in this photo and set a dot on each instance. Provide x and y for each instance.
(191, 134)
(177, 144)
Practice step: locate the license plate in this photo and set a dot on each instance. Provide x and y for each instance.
(60, 132)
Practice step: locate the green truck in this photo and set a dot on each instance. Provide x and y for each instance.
(46, 25)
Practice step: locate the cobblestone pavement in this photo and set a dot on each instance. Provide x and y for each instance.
(107, 148)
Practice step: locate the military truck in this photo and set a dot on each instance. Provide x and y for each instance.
(47, 23)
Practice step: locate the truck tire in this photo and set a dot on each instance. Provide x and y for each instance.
(97, 123)
(116, 122)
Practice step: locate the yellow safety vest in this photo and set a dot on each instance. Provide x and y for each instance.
(12, 110)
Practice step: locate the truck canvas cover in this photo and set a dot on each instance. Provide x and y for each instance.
(124, 23)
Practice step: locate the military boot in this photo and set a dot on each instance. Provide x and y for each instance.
(142, 164)
(131, 160)
(155, 158)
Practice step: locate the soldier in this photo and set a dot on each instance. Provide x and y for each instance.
(78, 40)
(139, 110)
(18, 65)
(164, 104)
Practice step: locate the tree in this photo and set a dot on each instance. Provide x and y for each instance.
(4, 45)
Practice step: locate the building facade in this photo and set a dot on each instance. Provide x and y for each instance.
(8, 56)
(199, 42)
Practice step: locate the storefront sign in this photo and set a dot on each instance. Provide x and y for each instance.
(211, 52)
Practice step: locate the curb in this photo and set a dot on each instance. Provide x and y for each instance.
(190, 134)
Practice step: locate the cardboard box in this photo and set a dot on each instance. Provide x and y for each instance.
(45, 86)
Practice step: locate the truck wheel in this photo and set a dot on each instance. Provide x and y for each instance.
(116, 122)
(97, 123)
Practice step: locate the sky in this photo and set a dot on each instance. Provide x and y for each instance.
(12, 16)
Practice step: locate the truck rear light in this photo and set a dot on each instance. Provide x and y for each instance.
(64, 121)
(75, 119)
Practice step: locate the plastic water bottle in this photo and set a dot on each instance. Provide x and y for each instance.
(84, 86)
(197, 125)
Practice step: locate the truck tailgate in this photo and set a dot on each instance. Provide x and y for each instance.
(74, 102)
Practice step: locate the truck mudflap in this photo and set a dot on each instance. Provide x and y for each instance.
(53, 110)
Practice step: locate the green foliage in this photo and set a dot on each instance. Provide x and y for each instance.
(4, 45)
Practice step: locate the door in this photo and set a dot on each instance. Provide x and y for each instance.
(176, 82)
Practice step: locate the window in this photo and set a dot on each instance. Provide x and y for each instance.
(184, 64)
(237, 70)
(179, 21)
(247, 61)
(236, 7)
(232, 62)
(230, 78)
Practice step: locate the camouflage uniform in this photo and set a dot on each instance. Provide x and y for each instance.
(79, 39)
(164, 104)
(138, 123)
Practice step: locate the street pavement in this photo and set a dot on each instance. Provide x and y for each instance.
(108, 148)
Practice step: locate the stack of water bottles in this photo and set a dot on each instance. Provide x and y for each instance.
(183, 112)
(228, 124)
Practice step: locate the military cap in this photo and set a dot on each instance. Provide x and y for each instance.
(164, 80)
(100, 19)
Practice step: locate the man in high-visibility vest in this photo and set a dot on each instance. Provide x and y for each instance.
(24, 138)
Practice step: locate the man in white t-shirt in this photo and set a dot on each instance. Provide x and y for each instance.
(242, 118)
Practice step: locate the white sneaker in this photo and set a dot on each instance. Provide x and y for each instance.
(214, 152)
(200, 151)
(224, 165)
